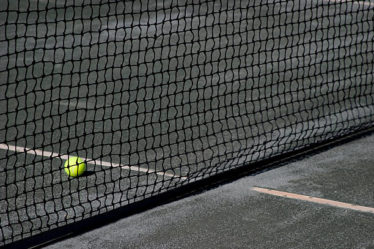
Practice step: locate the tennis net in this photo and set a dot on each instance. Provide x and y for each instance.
(154, 95)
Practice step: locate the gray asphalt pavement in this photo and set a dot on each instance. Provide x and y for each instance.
(234, 216)
(157, 93)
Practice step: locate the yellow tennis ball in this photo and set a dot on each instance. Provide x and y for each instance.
(75, 166)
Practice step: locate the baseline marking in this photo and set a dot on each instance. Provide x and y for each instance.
(49, 154)
(315, 200)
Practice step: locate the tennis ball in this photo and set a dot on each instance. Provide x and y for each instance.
(75, 166)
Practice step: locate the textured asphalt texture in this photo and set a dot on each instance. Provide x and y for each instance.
(233, 216)
(177, 87)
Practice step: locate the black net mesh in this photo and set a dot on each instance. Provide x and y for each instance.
(154, 94)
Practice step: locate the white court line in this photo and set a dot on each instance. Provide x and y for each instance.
(315, 200)
(77, 105)
(44, 153)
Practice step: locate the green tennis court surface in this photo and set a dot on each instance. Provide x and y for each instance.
(158, 94)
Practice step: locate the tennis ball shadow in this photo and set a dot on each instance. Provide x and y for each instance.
(88, 173)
